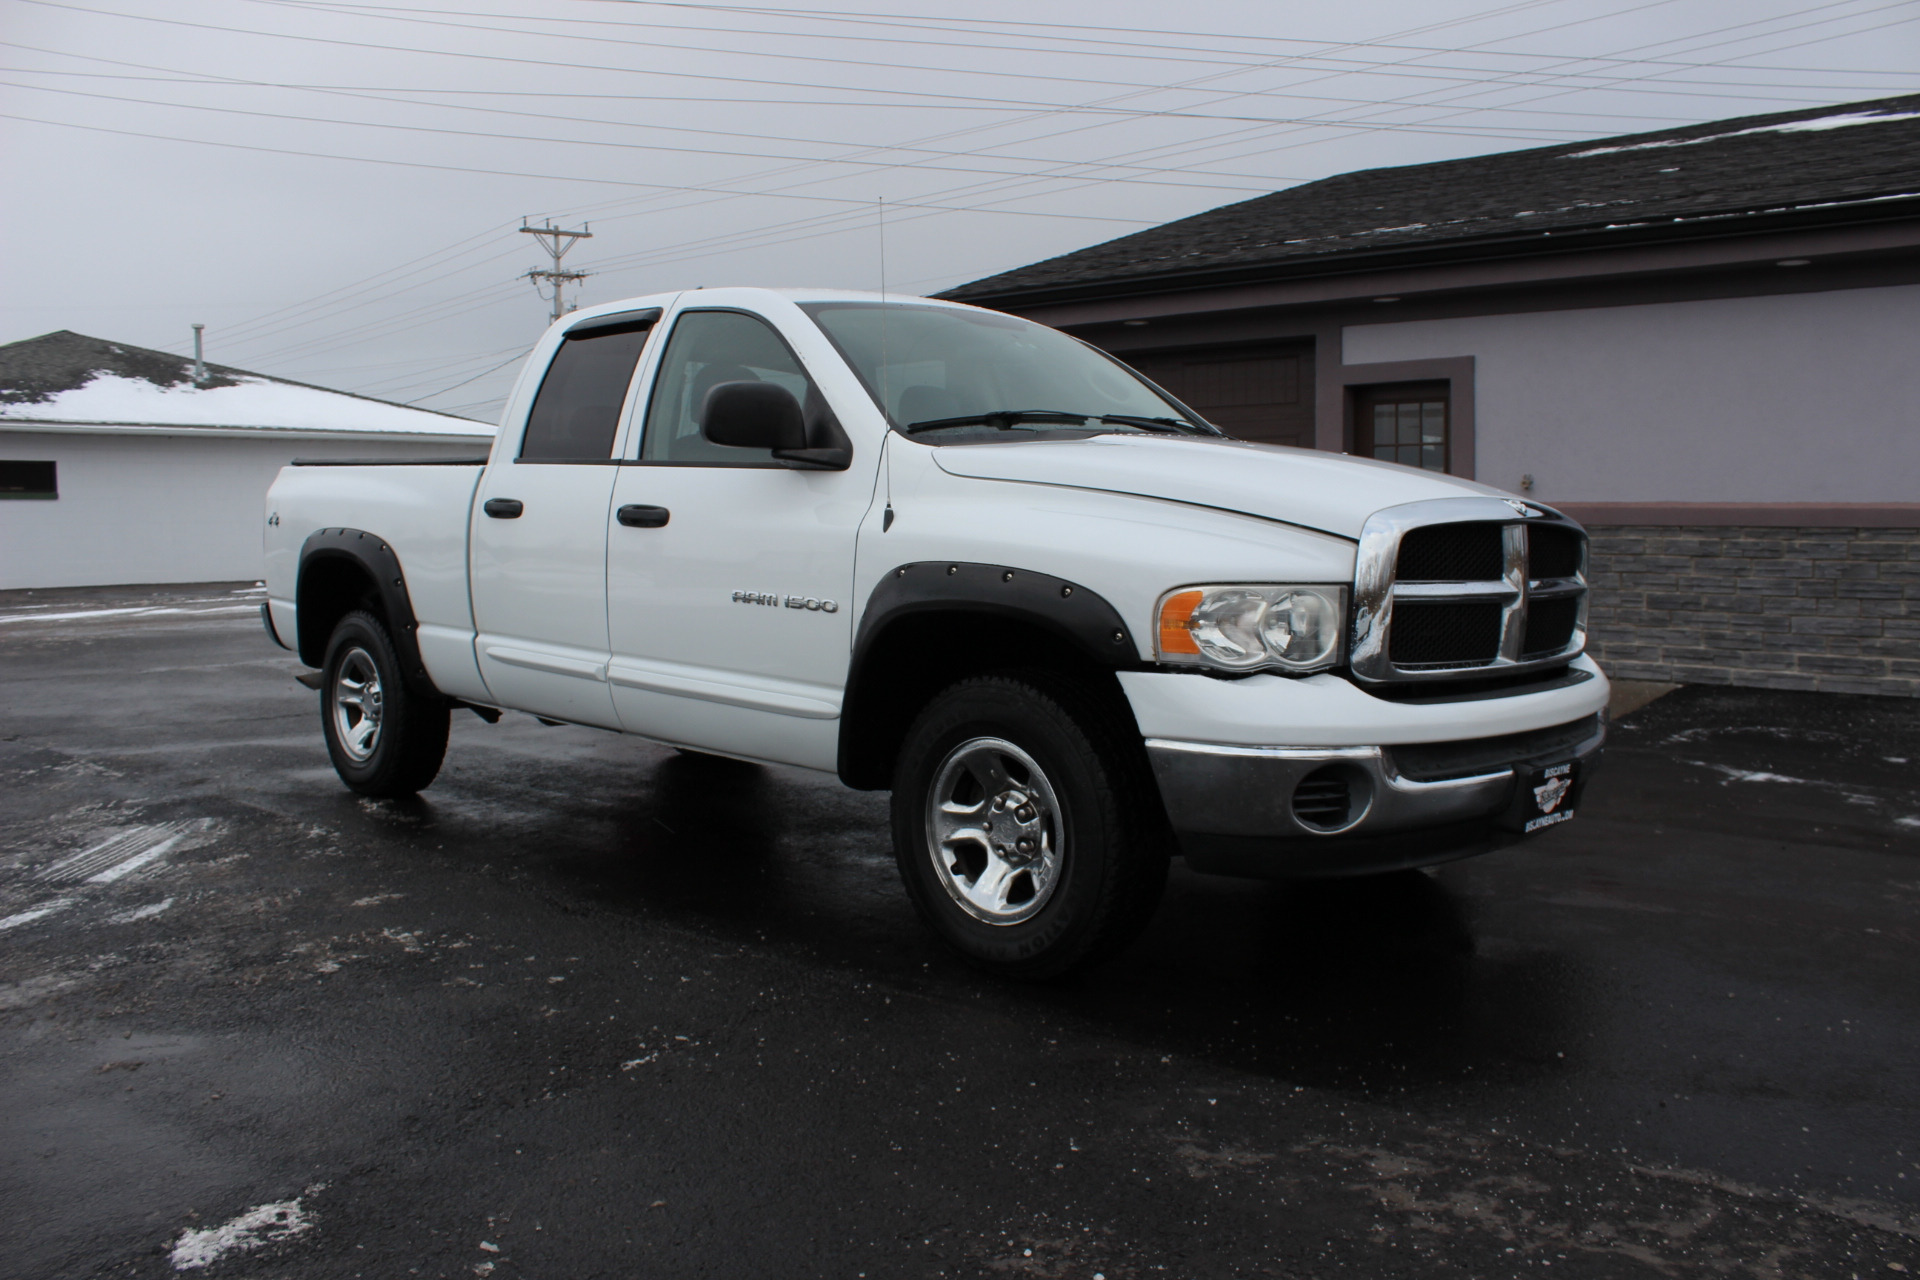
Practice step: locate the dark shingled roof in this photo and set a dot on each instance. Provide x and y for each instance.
(34, 370)
(1730, 174)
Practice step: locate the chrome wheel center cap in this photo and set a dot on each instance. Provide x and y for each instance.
(1014, 826)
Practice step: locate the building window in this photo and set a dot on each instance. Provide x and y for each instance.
(28, 480)
(1406, 423)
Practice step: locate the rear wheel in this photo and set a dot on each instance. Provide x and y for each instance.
(1025, 827)
(385, 739)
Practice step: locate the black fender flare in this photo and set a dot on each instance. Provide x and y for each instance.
(1080, 617)
(374, 556)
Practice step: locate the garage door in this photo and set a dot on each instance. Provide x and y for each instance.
(1262, 393)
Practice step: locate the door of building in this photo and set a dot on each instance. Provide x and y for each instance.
(1260, 392)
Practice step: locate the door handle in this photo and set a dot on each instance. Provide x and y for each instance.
(504, 508)
(635, 517)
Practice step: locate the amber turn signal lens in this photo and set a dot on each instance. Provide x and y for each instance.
(1176, 622)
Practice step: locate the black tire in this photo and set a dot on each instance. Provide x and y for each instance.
(401, 752)
(1095, 800)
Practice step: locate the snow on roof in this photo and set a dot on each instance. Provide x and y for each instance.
(67, 377)
(245, 402)
(1819, 124)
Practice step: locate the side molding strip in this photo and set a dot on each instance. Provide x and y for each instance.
(553, 663)
(807, 705)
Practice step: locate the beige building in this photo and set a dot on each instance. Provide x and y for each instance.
(1700, 342)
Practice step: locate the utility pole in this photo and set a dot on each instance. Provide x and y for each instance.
(199, 356)
(556, 242)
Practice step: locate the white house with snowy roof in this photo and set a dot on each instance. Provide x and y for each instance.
(120, 464)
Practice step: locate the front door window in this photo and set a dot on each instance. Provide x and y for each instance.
(707, 349)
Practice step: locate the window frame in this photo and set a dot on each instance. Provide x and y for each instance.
(1369, 396)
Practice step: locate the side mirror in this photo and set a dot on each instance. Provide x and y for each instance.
(753, 415)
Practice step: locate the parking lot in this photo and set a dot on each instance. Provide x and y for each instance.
(590, 1007)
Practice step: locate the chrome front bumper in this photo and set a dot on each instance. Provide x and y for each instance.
(1240, 810)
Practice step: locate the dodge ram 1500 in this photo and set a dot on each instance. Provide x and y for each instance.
(939, 550)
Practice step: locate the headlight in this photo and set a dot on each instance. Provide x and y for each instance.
(1246, 628)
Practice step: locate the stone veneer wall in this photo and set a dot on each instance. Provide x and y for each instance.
(1836, 610)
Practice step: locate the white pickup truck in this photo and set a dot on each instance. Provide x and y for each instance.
(945, 551)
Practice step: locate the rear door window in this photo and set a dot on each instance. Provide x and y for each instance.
(576, 413)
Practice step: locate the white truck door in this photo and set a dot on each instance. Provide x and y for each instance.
(728, 574)
(539, 568)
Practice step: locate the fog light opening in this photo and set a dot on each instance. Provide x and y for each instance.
(1332, 798)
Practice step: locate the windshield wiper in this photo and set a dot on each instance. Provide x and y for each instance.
(1003, 419)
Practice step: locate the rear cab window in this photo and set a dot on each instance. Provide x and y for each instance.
(576, 413)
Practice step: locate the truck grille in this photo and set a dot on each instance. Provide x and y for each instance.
(1554, 553)
(1461, 586)
(1550, 626)
(1450, 553)
(1449, 634)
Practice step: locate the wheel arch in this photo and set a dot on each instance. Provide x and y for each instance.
(931, 623)
(346, 569)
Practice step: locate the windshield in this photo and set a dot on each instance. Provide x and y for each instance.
(949, 375)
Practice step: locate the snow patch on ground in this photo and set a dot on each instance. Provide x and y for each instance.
(263, 1225)
(147, 912)
(38, 913)
(1743, 775)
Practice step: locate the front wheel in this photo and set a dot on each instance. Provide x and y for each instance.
(1026, 828)
(385, 739)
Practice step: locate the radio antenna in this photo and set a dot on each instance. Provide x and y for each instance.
(886, 402)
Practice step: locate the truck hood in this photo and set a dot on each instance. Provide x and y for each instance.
(1330, 492)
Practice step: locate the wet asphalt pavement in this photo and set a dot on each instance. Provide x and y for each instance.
(590, 1008)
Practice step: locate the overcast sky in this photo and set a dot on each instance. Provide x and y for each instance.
(335, 189)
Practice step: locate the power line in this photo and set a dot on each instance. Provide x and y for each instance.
(1001, 180)
(595, 142)
(756, 81)
(919, 22)
(509, 173)
(518, 355)
(1160, 53)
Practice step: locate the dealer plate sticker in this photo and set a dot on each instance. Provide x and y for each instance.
(1550, 786)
